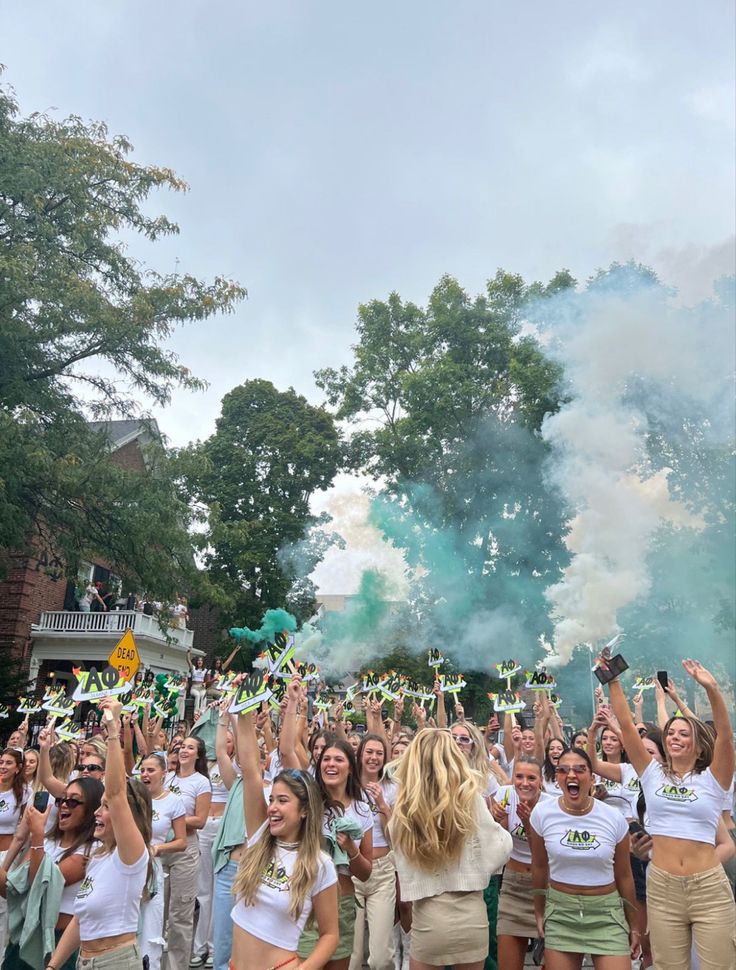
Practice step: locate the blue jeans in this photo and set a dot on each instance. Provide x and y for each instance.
(222, 925)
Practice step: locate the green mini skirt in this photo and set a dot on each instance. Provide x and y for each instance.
(586, 924)
(346, 918)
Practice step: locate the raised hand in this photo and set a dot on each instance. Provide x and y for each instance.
(459, 711)
(700, 675)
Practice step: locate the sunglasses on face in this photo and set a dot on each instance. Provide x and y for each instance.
(84, 768)
(462, 739)
(70, 802)
(566, 769)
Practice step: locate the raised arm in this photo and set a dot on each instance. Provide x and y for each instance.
(130, 843)
(53, 785)
(540, 730)
(224, 762)
(638, 754)
(680, 704)
(509, 730)
(398, 714)
(127, 739)
(231, 657)
(662, 715)
(722, 766)
(288, 736)
(441, 708)
(603, 768)
(254, 804)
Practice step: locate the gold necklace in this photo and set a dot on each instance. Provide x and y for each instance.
(577, 811)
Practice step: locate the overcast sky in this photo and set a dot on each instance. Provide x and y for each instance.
(339, 151)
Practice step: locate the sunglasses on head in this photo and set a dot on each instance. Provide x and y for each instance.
(462, 739)
(566, 769)
(70, 802)
(84, 768)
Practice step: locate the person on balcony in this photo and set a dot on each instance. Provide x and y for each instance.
(198, 688)
(90, 595)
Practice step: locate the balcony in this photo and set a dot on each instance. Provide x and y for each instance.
(112, 624)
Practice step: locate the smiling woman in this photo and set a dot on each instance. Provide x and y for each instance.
(283, 876)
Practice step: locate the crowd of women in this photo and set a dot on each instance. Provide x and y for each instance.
(306, 846)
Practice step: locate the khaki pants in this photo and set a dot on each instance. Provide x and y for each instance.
(681, 908)
(375, 902)
(181, 886)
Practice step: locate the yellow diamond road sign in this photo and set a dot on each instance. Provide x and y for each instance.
(125, 657)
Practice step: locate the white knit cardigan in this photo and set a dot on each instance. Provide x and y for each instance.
(483, 854)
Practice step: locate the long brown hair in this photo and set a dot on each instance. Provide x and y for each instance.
(18, 782)
(262, 853)
(703, 741)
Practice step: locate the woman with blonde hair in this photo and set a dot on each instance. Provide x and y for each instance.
(446, 847)
(283, 877)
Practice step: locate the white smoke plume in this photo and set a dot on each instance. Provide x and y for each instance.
(677, 357)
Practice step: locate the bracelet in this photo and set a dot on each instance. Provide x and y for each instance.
(39, 847)
(112, 737)
(353, 857)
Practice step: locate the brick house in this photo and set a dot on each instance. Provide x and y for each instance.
(41, 629)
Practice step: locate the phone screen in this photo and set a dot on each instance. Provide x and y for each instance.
(663, 679)
(41, 801)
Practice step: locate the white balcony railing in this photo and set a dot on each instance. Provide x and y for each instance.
(116, 622)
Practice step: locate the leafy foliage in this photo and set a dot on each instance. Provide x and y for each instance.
(447, 403)
(270, 453)
(82, 333)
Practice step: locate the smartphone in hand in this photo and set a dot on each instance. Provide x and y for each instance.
(663, 679)
(616, 665)
(41, 801)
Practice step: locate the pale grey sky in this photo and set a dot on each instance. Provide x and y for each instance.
(338, 151)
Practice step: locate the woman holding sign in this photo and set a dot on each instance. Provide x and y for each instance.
(284, 877)
(688, 894)
(107, 906)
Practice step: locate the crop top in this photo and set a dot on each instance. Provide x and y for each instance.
(188, 788)
(10, 811)
(163, 812)
(198, 675)
(682, 808)
(390, 788)
(580, 848)
(109, 899)
(509, 799)
(219, 788)
(55, 851)
(269, 919)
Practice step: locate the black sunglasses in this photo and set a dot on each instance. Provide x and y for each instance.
(84, 768)
(70, 802)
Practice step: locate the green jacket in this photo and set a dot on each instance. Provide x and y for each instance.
(33, 910)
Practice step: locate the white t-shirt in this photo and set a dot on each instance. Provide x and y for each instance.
(10, 811)
(163, 812)
(274, 766)
(109, 899)
(390, 789)
(269, 919)
(619, 796)
(55, 851)
(580, 848)
(198, 675)
(551, 787)
(219, 789)
(358, 811)
(682, 808)
(509, 798)
(188, 788)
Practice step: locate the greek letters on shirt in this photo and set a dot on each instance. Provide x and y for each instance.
(584, 840)
(173, 787)
(5, 805)
(677, 793)
(85, 887)
(154, 815)
(519, 832)
(275, 877)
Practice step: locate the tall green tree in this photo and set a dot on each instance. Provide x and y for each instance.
(455, 393)
(271, 452)
(83, 328)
